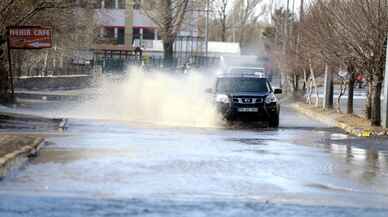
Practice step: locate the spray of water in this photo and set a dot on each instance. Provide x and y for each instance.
(154, 97)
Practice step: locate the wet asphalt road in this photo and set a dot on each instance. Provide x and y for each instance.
(103, 168)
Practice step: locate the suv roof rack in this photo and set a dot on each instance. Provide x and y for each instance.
(241, 75)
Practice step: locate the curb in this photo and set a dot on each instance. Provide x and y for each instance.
(359, 132)
(14, 119)
(314, 115)
(47, 97)
(15, 159)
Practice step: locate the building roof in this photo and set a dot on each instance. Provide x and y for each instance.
(224, 47)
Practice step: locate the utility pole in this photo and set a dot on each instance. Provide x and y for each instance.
(385, 101)
(234, 28)
(283, 80)
(285, 26)
(301, 12)
(299, 39)
(271, 11)
(10, 74)
(207, 29)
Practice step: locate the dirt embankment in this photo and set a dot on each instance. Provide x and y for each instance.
(15, 149)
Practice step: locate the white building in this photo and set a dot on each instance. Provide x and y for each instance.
(123, 25)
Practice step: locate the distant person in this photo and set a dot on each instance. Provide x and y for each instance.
(359, 80)
(139, 52)
(187, 68)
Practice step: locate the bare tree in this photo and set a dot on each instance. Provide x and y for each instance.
(361, 27)
(169, 16)
(245, 13)
(344, 34)
(221, 11)
(57, 14)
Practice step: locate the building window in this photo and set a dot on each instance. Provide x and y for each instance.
(148, 4)
(121, 36)
(109, 33)
(136, 4)
(111, 4)
(122, 4)
(112, 35)
(148, 33)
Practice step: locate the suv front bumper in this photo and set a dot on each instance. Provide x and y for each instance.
(257, 112)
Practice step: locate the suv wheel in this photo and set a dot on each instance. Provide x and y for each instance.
(274, 121)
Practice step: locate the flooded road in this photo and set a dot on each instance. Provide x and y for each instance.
(107, 168)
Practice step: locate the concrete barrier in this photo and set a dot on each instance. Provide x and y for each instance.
(65, 82)
(17, 158)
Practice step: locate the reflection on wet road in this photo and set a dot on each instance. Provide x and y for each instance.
(121, 169)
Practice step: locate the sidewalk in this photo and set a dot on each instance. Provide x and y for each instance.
(351, 124)
(15, 150)
(56, 95)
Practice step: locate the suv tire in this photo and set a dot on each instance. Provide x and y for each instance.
(274, 121)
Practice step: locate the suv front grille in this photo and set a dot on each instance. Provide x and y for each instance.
(247, 100)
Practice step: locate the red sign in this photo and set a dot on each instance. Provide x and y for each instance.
(23, 37)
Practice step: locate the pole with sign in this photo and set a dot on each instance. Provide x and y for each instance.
(26, 37)
(10, 74)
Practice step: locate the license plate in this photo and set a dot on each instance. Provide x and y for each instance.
(247, 109)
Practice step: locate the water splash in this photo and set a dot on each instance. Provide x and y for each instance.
(154, 97)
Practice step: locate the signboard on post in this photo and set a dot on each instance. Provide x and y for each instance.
(29, 37)
(26, 37)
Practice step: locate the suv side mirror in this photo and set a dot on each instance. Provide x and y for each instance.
(278, 91)
(209, 90)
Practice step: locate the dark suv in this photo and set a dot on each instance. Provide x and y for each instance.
(247, 97)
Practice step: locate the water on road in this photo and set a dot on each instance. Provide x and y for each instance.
(110, 168)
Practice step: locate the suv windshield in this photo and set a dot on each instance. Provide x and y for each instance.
(235, 85)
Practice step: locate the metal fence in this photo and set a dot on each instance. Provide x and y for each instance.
(119, 61)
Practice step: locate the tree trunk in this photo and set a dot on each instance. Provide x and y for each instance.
(368, 104)
(296, 77)
(168, 47)
(349, 108)
(328, 89)
(341, 93)
(314, 82)
(292, 83)
(5, 95)
(376, 102)
(223, 31)
(45, 64)
(304, 81)
(19, 64)
(310, 91)
(331, 89)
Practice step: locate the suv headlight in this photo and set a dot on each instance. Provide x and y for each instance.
(222, 98)
(271, 99)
